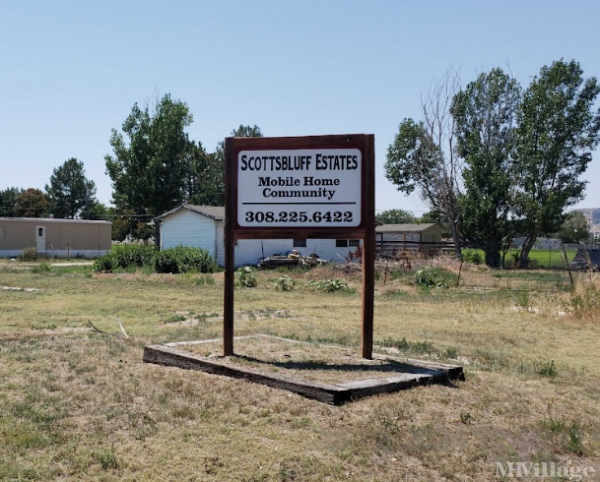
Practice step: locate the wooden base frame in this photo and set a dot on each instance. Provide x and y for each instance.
(414, 373)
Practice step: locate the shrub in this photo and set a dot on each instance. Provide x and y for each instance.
(125, 257)
(183, 259)
(427, 277)
(42, 268)
(586, 304)
(473, 256)
(331, 285)
(105, 263)
(133, 256)
(524, 301)
(545, 369)
(284, 283)
(29, 254)
(247, 277)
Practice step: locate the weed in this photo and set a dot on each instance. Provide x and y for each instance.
(108, 459)
(545, 369)
(43, 268)
(174, 319)
(247, 277)
(585, 305)
(29, 254)
(430, 277)
(523, 300)
(284, 283)
(408, 346)
(465, 417)
(331, 285)
(575, 443)
(472, 256)
(451, 353)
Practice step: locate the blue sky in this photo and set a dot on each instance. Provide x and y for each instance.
(70, 71)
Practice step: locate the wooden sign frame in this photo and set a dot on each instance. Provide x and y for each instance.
(365, 231)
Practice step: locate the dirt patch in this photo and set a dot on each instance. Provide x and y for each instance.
(18, 288)
(305, 361)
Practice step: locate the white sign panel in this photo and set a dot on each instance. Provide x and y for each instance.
(307, 188)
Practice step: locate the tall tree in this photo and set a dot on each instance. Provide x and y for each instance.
(396, 216)
(69, 191)
(148, 171)
(485, 122)
(32, 203)
(214, 193)
(8, 200)
(204, 178)
(423, 156)
(575, 228)
(558, 130)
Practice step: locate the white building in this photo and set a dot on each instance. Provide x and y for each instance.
(202, 227)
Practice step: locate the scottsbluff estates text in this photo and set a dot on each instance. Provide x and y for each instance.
(299, 163)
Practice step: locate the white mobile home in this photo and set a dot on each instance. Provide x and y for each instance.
(202, 227)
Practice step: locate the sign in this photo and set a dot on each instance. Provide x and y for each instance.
(300, 188)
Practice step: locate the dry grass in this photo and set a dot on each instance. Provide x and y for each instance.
(76, 405)
(299, 360)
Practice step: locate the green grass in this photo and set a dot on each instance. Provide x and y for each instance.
(545, 258)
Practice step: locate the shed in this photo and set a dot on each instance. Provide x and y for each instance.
(202, 227)
(419, 233)
(55, 237)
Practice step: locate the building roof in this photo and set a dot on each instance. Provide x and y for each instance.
(56, 220)
(405, 228)
(214, 212)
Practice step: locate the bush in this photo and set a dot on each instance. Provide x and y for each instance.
(105, 263)
(42, 268)
(284, 283)
(473, 256)
(125, 257)
(29, 254)
(427, 277)
(247, 277)
(587, 304)
(133, 256)
(331, 285)
(183, 259)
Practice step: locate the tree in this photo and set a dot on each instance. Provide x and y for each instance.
(8, 200)
(204, 181)
(423, 157)
(98, 210)
(575, 228)
(558, 130)
(32, 203)
(485, 122)
(148, 171)
(395, 216)
(213, 191)
(69, 191)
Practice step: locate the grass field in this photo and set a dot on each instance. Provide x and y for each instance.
(543, 258)
(80, 405)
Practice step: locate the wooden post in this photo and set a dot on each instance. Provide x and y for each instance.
(369, 242)
(229, 248)
(568, 267)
